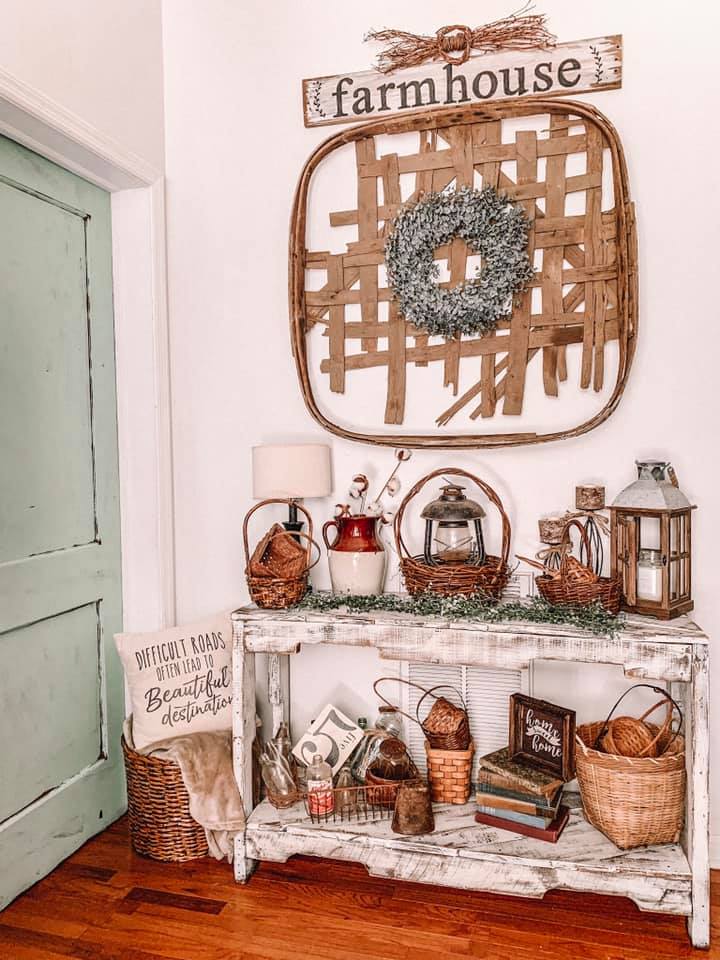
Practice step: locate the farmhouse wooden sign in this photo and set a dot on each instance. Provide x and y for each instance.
(565, 69)
(542, 734)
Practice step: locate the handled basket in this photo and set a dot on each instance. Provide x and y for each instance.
(449, 579)
(575, 583)
(634, 801)
(159, 810)
(276, 592)
(446, 727)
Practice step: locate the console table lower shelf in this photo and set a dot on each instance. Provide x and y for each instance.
(463, 853)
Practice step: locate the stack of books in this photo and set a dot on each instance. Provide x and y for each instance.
(515, 796)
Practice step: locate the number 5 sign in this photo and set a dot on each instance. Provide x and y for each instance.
(333, 735)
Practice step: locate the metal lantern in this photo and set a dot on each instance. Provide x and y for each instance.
(453, 528)
(650, 543)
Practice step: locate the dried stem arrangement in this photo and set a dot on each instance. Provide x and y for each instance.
(522, 30)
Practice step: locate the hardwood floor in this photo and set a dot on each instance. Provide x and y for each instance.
(107, 903)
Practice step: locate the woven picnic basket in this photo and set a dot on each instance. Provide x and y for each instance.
(159, 810)
(275, 589)
(576, 583)
(449, 579)
(634, 801)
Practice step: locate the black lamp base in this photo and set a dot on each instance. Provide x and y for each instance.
(293, 524)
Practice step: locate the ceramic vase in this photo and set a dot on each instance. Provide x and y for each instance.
(356, 556)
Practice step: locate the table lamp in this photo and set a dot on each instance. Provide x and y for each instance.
(293, 471)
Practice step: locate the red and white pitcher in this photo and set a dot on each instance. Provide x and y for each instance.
(356, 556)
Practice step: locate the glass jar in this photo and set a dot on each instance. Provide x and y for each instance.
(388, 724)
(649, 574)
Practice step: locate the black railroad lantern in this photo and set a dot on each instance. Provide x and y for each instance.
(453, 528)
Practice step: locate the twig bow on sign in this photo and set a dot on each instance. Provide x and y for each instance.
(453, 44)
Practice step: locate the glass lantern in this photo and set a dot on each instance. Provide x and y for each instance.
(650, 543)
(453, 528)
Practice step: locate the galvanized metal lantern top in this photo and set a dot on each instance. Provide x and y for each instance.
(655, 489)
(452, 506)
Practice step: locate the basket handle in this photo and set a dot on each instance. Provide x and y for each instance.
(666, 698)
(312, 543)
(573, 522)
(408, 683)
(288, 503)
(431, 693)
(453, 472)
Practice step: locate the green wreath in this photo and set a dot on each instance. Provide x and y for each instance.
(492, 226)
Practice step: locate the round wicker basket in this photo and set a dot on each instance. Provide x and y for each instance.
(575, 583)
(159, 810)
(449, 579)
(277, 593)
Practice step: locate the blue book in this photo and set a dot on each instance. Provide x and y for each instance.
(550, 804)
(516, 817)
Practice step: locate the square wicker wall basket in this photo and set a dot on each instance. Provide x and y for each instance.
(586, 270)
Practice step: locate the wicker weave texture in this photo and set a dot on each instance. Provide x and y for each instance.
(449, 773)
(159, 810)
(633, 801)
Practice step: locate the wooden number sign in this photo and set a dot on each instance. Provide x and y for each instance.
(543, 735)
(333, 735)
(570, 339)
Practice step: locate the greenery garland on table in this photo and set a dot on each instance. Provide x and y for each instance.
(593, 618)
(492, 226)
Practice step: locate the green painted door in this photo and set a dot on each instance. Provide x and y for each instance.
(60, 683)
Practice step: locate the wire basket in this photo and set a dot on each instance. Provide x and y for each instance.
(363, 804)
(451, 579)
(278, 592)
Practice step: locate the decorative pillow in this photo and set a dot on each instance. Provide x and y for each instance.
(180, 679)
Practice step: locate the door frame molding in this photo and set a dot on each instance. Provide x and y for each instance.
(141, 336)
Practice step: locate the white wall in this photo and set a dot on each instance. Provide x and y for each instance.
(235, 145)
(100, 60)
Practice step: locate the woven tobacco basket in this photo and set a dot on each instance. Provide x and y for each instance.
(273, 592)
(575, 583)
(634, 801)
(450, 579)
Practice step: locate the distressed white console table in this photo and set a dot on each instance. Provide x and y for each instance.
(671, 878)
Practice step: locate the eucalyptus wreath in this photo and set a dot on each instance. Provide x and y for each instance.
(492, 226)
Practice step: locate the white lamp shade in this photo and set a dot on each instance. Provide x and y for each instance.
(291, 470)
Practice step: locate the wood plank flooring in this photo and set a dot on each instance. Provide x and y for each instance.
(107, 903)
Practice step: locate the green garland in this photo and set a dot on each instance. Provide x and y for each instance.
(492, 226)
(593, 618)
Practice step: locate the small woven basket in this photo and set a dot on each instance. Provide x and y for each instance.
(159, 810)
(273, 592)
(450, 579)
(446, 727)
(449, 773)
(634, 801)
(571, 584)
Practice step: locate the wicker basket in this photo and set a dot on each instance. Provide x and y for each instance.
(575, 583)
(159, 810)
(449, 773)
(446, 727)
(450, 579)
(634, 801)
(277, 593)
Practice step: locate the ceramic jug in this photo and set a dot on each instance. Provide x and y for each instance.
(356, 556)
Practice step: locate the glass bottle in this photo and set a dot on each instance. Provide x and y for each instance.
(321, 800)
(283, 741)
(388, 724)
(345, 793)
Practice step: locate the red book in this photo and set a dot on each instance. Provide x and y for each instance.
(549, 833)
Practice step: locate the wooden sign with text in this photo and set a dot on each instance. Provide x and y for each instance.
(543, 735)
(566, 69)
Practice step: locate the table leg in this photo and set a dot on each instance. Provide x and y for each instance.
(243, 736)
(698, 804)
(275, 689)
